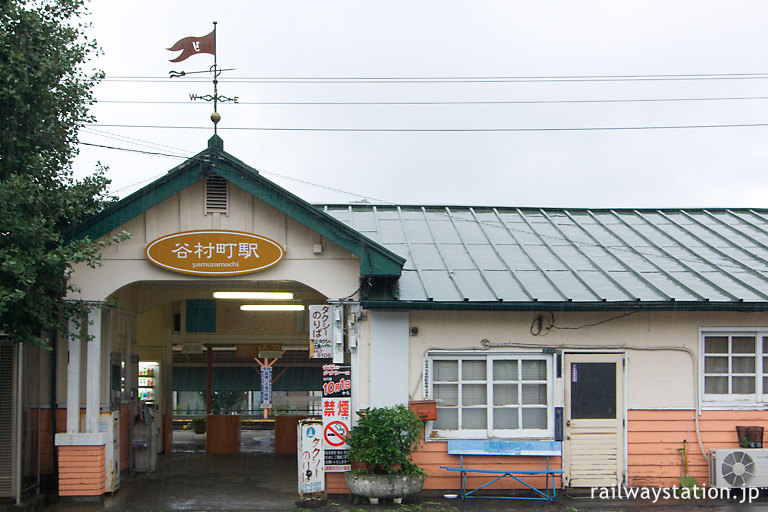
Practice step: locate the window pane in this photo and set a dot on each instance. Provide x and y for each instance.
(716, 385)
(505, 394)
(473, 370)
(743, 365)
(765, 385)
(535, 418)
(474, 418)
(716, 364)
(716, 344)
(743, 385)
(446, 371)
(765, 345)
(446, 394)
(743, 345)
(534, 370)
(473, 394)
(505, 418)
(447, 419)
(765, 367)
(504, 370)
(535, 394)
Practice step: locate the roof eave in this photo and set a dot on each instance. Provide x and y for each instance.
(567, 306)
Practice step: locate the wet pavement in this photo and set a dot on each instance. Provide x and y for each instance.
(257, 479)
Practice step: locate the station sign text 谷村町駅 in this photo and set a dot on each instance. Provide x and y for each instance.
(214, 252)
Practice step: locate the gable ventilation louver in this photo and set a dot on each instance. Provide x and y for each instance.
(216, 195)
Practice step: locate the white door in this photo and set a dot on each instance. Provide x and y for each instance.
(594, 420)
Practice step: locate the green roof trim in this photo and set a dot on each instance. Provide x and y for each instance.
(375, 260)
(744, 307)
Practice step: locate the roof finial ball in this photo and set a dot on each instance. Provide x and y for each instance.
(215, 117)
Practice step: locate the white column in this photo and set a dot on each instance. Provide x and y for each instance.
(390, 354)
(93, 372)
(73, 379)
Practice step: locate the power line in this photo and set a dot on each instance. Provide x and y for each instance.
(444, 130)
(133, 140)
(457, 79)
(153, 153)
(468, 102)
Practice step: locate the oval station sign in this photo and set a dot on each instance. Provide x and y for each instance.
(214, 252)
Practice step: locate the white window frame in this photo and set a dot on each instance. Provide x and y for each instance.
(434, 434)
(757, 400)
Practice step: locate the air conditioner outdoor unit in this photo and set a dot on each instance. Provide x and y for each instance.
(741, 467)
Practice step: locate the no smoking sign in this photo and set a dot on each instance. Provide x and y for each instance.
(335, 433)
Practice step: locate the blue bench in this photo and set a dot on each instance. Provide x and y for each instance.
(545, 449)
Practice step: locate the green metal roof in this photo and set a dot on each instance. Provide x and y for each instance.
(375, 260)
(498, 258)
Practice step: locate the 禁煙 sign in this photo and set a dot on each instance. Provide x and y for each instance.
(214, 252)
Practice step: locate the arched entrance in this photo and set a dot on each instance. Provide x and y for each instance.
(196, 351)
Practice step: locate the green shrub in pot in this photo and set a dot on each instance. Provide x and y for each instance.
(384, 439)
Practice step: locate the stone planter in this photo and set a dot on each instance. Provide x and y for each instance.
(375, 487)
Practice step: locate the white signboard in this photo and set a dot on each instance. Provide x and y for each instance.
(320, 332)
(311, 458)
(337, 416)
(266, 387)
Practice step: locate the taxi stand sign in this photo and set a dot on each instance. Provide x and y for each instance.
(311, 459)
(326, 332)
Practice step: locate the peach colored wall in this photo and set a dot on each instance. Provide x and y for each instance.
(654, 437)
(81, 470)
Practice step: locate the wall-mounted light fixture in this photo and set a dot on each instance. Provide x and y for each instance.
(272, 307)
(254, 295)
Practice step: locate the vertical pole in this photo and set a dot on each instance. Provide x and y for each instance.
(73, 379)
(93, 372)
(208, 379)
(215, 78)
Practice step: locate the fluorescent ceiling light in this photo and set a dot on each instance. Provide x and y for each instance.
(272, 307)
(254, 295)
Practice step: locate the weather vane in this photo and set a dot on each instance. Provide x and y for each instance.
(189, 46)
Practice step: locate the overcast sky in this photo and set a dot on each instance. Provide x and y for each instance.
(680, 167)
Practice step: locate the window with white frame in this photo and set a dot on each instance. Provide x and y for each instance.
(491, 395)
(735, 366)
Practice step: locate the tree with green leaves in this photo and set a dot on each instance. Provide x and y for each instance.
(45, 93)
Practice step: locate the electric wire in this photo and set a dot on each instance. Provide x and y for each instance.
(452, 79)
(441, 130)
(459, 102)
(133, 140)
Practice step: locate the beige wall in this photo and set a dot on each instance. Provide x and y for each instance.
(334, 272)
(657, 379)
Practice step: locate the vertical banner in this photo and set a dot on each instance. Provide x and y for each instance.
(311, 458)
(320, 332)
(266, 387)
(337, 416)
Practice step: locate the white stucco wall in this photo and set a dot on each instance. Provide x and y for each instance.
(334, 272)
(655, 379)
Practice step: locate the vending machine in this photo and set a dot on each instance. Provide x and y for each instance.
(150, 390)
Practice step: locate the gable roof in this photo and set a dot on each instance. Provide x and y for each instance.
(530, 258)
(375, 260)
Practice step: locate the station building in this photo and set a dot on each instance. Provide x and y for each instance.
(624, 334)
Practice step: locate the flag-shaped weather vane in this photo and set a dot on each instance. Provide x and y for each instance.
(189, 46)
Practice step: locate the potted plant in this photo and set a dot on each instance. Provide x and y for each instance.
(383, 441)
(198, 425)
